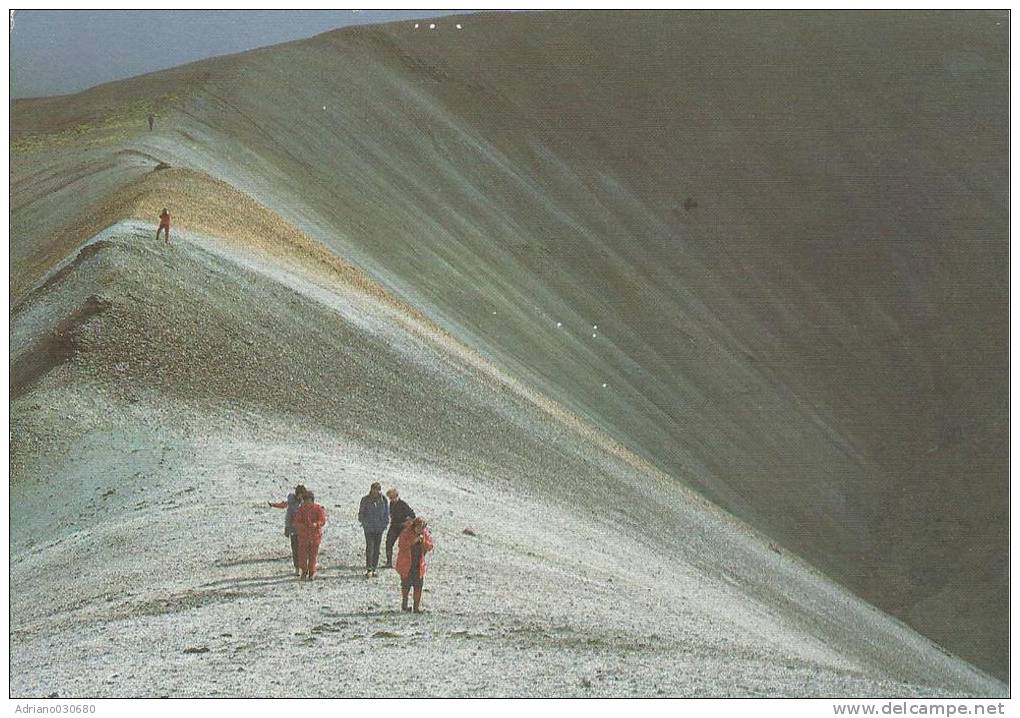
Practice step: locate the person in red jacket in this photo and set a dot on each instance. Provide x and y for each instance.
(309, 520)
(415, 541)
(164, 225)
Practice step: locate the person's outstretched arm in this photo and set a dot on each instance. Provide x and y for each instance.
(278, 504)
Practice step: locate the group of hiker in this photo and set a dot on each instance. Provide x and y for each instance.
(377, 514)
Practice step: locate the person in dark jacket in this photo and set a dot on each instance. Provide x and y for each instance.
(292, 504)
(373, 515)
(399, 512)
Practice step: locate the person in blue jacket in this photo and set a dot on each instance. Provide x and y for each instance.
(374, 517)
(399, 513)
(292, 504)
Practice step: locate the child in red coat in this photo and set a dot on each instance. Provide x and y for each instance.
(414, 542)
(309, 520)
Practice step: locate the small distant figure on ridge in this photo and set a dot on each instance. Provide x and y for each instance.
(399, 511)
(292, 504)
(415, 542)
(152, 121)
(309, 520)
(374, 517)
(164, 225)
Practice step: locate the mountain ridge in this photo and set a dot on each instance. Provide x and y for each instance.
(815, 385)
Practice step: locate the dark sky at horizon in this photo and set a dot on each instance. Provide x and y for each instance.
(59, 52)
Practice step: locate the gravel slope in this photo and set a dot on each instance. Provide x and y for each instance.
(789, 228)
(205, 379)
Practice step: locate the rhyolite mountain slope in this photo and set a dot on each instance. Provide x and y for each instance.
(790, 230)
(184, 386)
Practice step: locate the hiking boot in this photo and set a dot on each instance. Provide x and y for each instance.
(419, 610)
(388, 565)
(405, 609)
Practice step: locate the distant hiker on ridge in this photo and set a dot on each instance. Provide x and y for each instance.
(164, 224)
(415, 542)
(399, 511)
(152, 121)
(292, 504)
(374, 516)
(309, 520)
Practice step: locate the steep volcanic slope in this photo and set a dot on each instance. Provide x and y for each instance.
(789, 229)
(196, 380)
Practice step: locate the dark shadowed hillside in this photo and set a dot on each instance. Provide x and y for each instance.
(767, 252)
